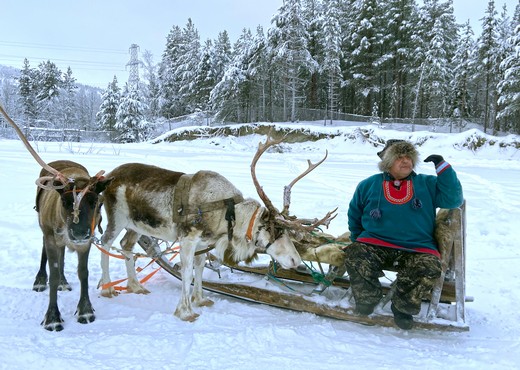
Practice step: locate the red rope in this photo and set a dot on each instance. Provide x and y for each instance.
(114, 284)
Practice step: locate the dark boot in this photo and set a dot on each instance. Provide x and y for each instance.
(365, 309)
(401, 319)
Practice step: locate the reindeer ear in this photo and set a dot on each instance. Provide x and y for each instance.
(102, 184)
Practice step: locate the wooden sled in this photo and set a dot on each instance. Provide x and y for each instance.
(299, 290)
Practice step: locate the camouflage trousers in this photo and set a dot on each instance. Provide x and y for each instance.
(416, 275)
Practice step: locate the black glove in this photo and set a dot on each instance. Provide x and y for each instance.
(435, 158)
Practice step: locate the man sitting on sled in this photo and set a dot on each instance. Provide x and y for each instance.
(391, 219)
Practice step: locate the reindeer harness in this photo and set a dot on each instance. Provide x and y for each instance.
(182, 208)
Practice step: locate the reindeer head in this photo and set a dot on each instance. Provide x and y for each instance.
(280, 225)
(80, 203)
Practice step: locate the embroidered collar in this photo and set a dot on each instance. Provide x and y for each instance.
(398, 194)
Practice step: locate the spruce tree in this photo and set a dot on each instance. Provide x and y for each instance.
(107, 115)
(185, 73)
(169, 80)
(27, 86)
(464, 69)
(332, 55)
(487, 49)
(68, 100)
(509, 86)
(130, 122)
(289, 40)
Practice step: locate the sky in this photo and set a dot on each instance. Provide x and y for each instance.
(93, 37)
(140, 332)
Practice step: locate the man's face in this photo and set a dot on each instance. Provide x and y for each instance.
(401, 168)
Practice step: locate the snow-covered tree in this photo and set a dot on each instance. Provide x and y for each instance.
(220, 56)
(487, 49)
(289, 40)
(68, 100)
(169, 80)
(332, 54)
(229, 97)
(106, 117)
(49, 82)
(463, 71)
(150, 87)
(505, 48)
(188, 61)
(27, 85)
(439, 38)
(315, 80)
(130, 122)
(203, 79)
(399, 39)
(509, 86)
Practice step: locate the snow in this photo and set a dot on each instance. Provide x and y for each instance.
(140, 332)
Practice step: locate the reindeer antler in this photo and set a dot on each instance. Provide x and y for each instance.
(40, 182)
(261, 193)
(287, 188)
(283, 218)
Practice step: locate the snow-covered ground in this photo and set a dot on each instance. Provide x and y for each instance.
(140, 332)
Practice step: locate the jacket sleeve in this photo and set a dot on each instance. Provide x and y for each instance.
(355, 212)
(448, 192)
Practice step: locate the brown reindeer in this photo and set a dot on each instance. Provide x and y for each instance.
(67, 214)
(198, 210)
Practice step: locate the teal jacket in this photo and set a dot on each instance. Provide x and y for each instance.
(402, 216)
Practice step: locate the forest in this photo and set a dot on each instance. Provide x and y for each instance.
(319, 60)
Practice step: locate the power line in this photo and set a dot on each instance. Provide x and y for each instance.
(14, 56)
(60, 47)
(71, 61)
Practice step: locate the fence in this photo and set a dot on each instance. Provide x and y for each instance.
(64, 135)
(315, 116)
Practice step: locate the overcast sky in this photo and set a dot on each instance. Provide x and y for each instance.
(93, 37)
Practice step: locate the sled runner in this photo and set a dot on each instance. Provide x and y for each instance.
(308, 290)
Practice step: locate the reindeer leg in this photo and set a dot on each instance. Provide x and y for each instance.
(133, 285)
(84, 311)
(187, 255)
(52, 320)
(106, 242)
(40, 281)
(63, 284)
(197, 297)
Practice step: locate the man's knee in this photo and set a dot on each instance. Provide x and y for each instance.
(356, 252)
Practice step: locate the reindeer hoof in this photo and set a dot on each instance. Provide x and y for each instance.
(86, 318)
(190, 317)
(137, 290)
(205, 302)
(64, 287)
(55, 326)
(52, 321)
(39, 287)
(109, 293)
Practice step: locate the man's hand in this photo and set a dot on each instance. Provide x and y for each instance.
(435, 158)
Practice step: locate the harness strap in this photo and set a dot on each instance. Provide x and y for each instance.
(230, 216)
(205, 250)
(249, 233)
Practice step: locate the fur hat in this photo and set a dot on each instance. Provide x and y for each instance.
(395, 149)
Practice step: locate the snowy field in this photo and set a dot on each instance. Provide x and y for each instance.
(140, 332)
